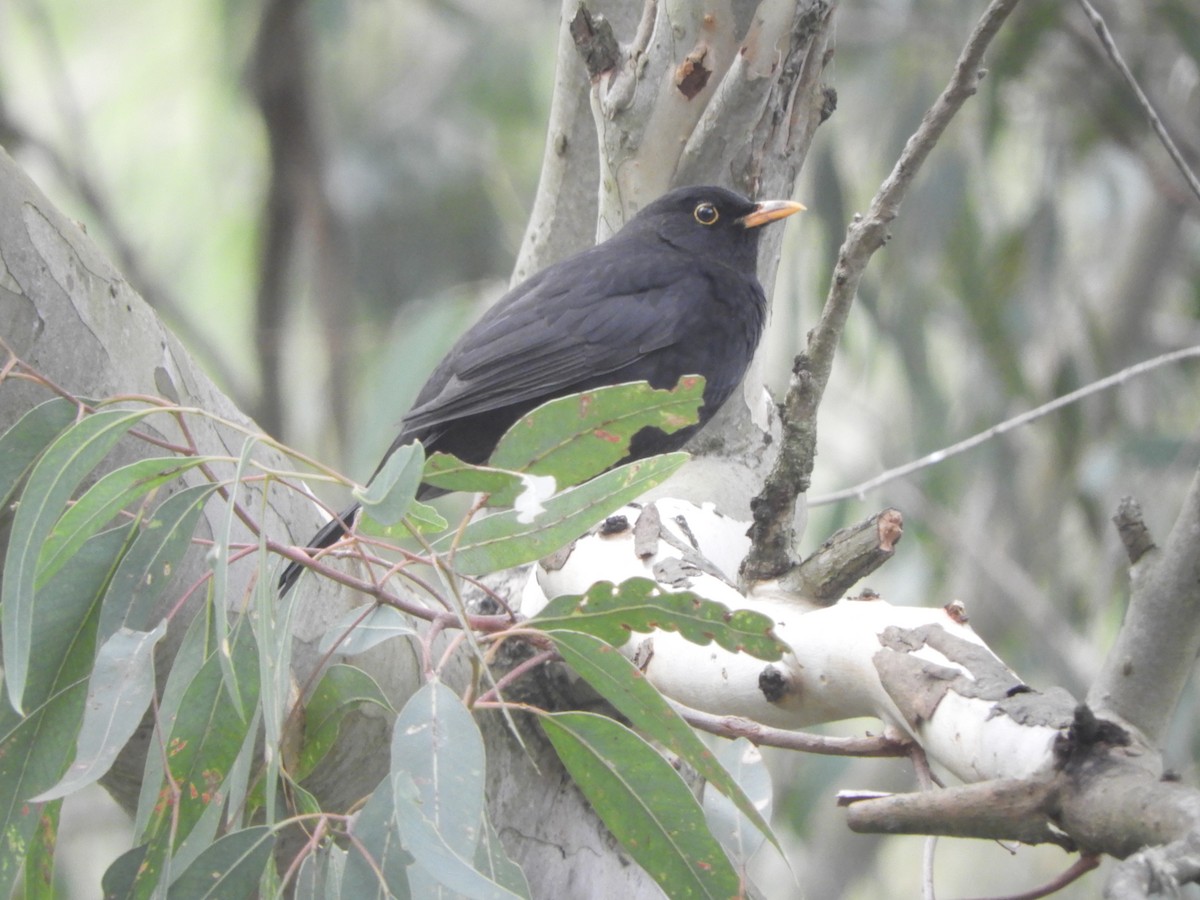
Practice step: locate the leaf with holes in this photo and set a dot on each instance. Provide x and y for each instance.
(609, 611)
(510, 538)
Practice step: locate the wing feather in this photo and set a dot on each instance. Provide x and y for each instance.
(560, 329)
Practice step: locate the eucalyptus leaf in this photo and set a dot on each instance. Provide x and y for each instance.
(377, 864)
(393, 489)
(493, 862)
(320, 875)
(202, 746)
(438, 865)
(436, 742)
(505, 539)
(38, 881)
(161, 543)
(364, 627)
(36, 749)
(229, 867)
(119, 691)
(102, 501)
(56, 475)
(452, 474)
(21, 445)
(644, 803)
(610, 611)
(576, 437)
(616, 679)
(340, 689)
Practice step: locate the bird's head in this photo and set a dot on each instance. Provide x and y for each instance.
(712, 222)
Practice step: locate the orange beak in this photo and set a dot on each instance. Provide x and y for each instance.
(770, 211)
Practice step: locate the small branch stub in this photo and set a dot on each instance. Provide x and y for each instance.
(1131, 528)
(595, 41)
(692, 74)
(846, 557)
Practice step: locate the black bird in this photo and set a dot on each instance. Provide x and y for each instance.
(673, 293)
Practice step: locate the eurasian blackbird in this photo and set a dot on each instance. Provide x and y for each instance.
(673, 293)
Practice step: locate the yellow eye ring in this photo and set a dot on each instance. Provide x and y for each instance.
(706, 214)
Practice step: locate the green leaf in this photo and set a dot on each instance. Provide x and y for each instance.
(741, 837)
(229, 867)
(576, 437)
(437, 863)
(617, 679)
(510, 538)
(320, 875)
(383, 870)
(340, 689)
(207, 734)
(437, 743)
(493, 862)
(28, 437)
(102, 501)
(162, 541)
(392, 491)
(426, 518)
(119, 691)
(39, 861)
(218, 816)
(274, 635)
(219, 597)
(501, 486)
(420, 516)
(236, 788)
(203, 743)
(438, 772)
(452, 474)
(36, 749)
(117, 882)
(611, 611)
(300, 799)
(189, 660)
(364, 627)
(55, 477)
(644, 803)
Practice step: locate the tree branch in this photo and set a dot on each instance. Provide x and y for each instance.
(1156, 123)
(1147, 669)
(859, 491)
(787, 739)
(772, 533)
(1003, 810)
(846, 557)
(296, 201)
(1131, 527)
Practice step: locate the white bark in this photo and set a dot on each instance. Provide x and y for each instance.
(923, 671)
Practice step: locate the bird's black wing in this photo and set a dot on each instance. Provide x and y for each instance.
(589, 316)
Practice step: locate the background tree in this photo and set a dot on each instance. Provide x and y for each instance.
(1003, 285)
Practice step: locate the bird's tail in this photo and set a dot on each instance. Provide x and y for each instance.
(330, 533)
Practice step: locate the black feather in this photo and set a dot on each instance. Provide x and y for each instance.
(666, 296)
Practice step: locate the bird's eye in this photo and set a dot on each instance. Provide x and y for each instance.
(706, 214)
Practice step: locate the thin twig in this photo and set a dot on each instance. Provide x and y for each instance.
(860, 490)
(1081, 866)
(1156, 123)
(494, 693)
(925, 779)
(928, 854)
(765, 736)
(771, 533)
